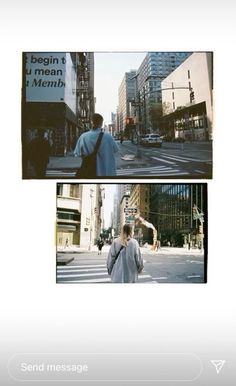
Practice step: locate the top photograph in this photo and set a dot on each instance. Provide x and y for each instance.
(117, 115)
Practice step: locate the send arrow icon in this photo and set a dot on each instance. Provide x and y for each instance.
(218, 364)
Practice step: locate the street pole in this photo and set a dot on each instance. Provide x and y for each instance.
(91, 216)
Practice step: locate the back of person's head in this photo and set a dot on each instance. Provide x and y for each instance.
(97, 120)
(126, 233)
(40, 133)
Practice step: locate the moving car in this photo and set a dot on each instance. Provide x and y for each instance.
(151, 140)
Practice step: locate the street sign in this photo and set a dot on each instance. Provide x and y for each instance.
(130, 210)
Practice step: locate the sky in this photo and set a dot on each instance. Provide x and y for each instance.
(109, 69)
(109, 203)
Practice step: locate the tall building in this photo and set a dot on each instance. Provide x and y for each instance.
(171, 212)
(79, 214)
(126, 93)
(69, 201)
(123, 190)
(188, 111)
(57, 97)
(140, 199)
(154, 68)
(85, 89)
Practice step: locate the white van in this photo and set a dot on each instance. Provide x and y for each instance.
(151, 140)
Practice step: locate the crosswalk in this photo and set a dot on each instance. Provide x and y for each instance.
(166, 157)
(58, 173)
(152, 170)
(93, 273)
(163, 164)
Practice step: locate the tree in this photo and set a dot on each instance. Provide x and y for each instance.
(155, 115)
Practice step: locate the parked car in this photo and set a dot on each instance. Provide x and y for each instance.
(151, 140)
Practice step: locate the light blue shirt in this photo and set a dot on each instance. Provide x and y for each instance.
(106, 163)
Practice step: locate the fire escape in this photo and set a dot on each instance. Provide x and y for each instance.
(85, 90)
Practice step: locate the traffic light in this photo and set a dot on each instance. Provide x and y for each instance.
(192, 97)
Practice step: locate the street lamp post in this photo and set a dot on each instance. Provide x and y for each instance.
(91, 218)
(137, 104)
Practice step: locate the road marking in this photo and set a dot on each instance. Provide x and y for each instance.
(193, 276)
(194, 261)
(176, 159)
(160, 278)
(59, 173)
(105, 279)
(173, 172)
(81, 270)
(162, 160)
(87, 281)
(157, 170)
(188, 158)
(81, 275)
(82, 266)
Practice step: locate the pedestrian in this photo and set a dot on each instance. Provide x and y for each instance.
(100, 244)
(67, 243)
(39, 151)
(105, 158)
(124, 261)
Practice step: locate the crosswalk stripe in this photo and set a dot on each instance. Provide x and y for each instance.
(81, 275)
(173, 172)
(185, 158)
(80, 270)
(59, 172)
(176, 159)
(104, 280)
(152, 170)
(163, 160)
(81, 266)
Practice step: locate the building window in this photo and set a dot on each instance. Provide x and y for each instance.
(74, 190)
(188, 74)
(173, 105)
(59, 189)
(189, 85)
(173, 95)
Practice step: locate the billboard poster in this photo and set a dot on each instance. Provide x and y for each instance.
(45, 76)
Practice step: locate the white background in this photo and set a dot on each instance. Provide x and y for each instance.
(37, 314)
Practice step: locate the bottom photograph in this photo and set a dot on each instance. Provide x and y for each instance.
(131, 233)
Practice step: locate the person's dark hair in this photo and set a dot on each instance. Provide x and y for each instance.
(97, 120)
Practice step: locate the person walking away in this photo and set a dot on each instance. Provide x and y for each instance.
(124, 261)
(100, 244)
(105, 159)
(39, 151)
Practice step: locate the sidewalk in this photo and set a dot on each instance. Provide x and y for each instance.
(67, 162)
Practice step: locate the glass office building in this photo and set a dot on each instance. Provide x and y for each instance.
(172, 213)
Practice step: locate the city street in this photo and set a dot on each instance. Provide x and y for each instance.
(168, 265)
(184, 160)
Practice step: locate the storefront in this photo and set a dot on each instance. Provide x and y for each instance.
(187, 124)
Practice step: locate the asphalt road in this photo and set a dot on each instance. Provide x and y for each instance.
(163, 266)
(172, 160)
(188, 160)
